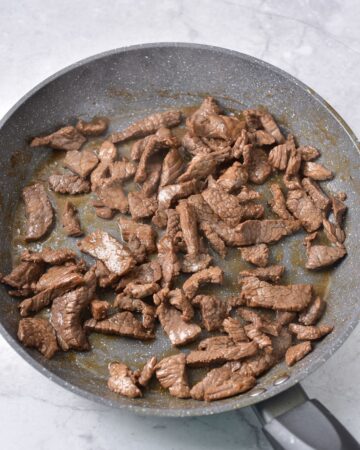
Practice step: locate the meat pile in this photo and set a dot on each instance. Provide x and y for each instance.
(195, 198)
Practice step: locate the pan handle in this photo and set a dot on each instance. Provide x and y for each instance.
(292, 421)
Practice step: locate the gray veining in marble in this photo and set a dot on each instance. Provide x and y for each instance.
(317, 41)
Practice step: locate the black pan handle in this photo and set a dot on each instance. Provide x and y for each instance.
(292, 421)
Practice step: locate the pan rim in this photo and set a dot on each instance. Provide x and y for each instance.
(231, 403)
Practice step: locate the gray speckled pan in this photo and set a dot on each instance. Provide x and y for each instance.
(127, 83)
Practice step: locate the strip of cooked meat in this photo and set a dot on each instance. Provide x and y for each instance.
(120, 324)
(148, 125)
(319, 256)
(100, 174)
(313, 313)
(56, 276)
(139, 290)
(38, 211)
(151, 184)
(294, 163)
(99, 309)
(271, 273)
(194, 145)
(247, 195)
(112, 195)
(304, 209)
(188, 224)
(23, 275)
(51, 256)
(201, 358)
(293, 297)
(256, 254)
(70, 220)
(234, 329)
(333, 232)
(146, 273)
(107, 152)
(179, 331)
(308, 153)
(214, 239)
(122, 380)
(262, 340)
(317, 171)
(68, 184)
(103, 211)
(116, 256)
(95, 127)
(268, 123)
(216, 342)
(252, 119)
(309, 333)
(126, 303)
(141, 206)
(145, 233)
(105, 278)
(262, 323)
(66, 315)
(122, 170)
(82, 163)
(213, 310)
(209, 275)
(297, 352)
(66, 138)
(285, 317)
(172, 167)
(222, 382)
(194, 263)
(278, 203)
(171, 373)
(169, 194)
(147, 371)
(259, 168)
(292, 182)
(168, 259)
(178, 299)
(317, 195)
(38, 333)
(202, 165)
(278, 156)
(137, 249)
(339, 210)
(233, 178)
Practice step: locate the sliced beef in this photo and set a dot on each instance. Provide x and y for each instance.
(50, 256)
(256, 254)
(116, 256)
(222, 382)
(320, 199)
(259, 168)
(151, 184)
(38, 333)
(209, 275)
(122, 170)
(292, 182)
(56, 276)
(147, 371)
(100, 175)
(122, 380)
(304, 209)
(333, 232)
(317, 171)
(247, 195)
(193, 263)
(313, 313)
(339, 210)
(126, 303)
(201, 358)
(194, 145)
(103, 211)
(69, 184)
(216, 342)
(96, 126)
(297, 352)
(279, 156)
(171, 373)
(24, 274)
(271, 273)
(148, 125)
(293, 297)
(178, 299)
(38, 211)
(234, 329)
(146, 273)
(213, 311)
(104, 276)
(278, 203)
(82, 163)
(168, 259)
(179, 331)
(257, 365)
(285, 317)
(256, 335)
(309, 333)
(99, 309)
(70, 220)
(141, 206)
(120, 324)
(188, 224)
(112, 195)
(319, 256)
(173, 192)
(107, 152)
(145, 233)
(261, 322)
(137, 250)
(139, 290)
(268, 123)
(214, 239)
(252, 119)
(67, 138)
(172, 167)
(308, 153)
(233, 178)
(202, 165)
(294, 163)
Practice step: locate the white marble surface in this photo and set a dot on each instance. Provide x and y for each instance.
(316, 40)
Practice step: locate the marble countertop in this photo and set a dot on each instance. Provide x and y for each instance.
(318, 42)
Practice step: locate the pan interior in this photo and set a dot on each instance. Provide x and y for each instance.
(172, 77)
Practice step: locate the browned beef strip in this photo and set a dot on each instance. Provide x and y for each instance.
(320, 199)
(202, 165)
(256, 254)
(214, 239)
(193, 263)
(104, 276)
(259, 168)
(122, 380)
(317, 171)
(95, 127)
(216, 342)
(309, 333)
(201, 358)
(213, 310)
(171, 373)
(38, 211)
(233, 178)
(178, 299)
(66, 315)
(278, 203)
(120, 324)
(116, 256)
(112, 195)
(173, 192)
(66, 138)
(285, 317)
(179, 331)
(168, 259)
(262, 340)
(209, 275)
(38, 333)
(122, 170)
(82, 163)
(145, 233)
(187, 217)
(262, 323)
(292, 182)
(294, 163)
(257, 293)
(68, 184)
(257, 365)
(313, 312)
(103, 211)
(297, 352)
(172, 167)
(141, 206)
(148, 125)
(339, 210)
(146, 273)
(247, 195)
(100, 175)
(70, 220)
(271, 273)
(99, 309)
(222, 382)
(126, 303)
(308, 153)
(56, 276)
(252, 119)
(139, 290)
(24, 274)
(50, 256)
(268, 123)
(151, 184)
(234, 329)
(333, 232)
(137, 250)
(319, 256)
(107, 152)
(304, 209)
(194, 145)
(147, 371)
(278, 156)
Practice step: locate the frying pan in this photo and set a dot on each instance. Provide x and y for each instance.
(126, 84)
